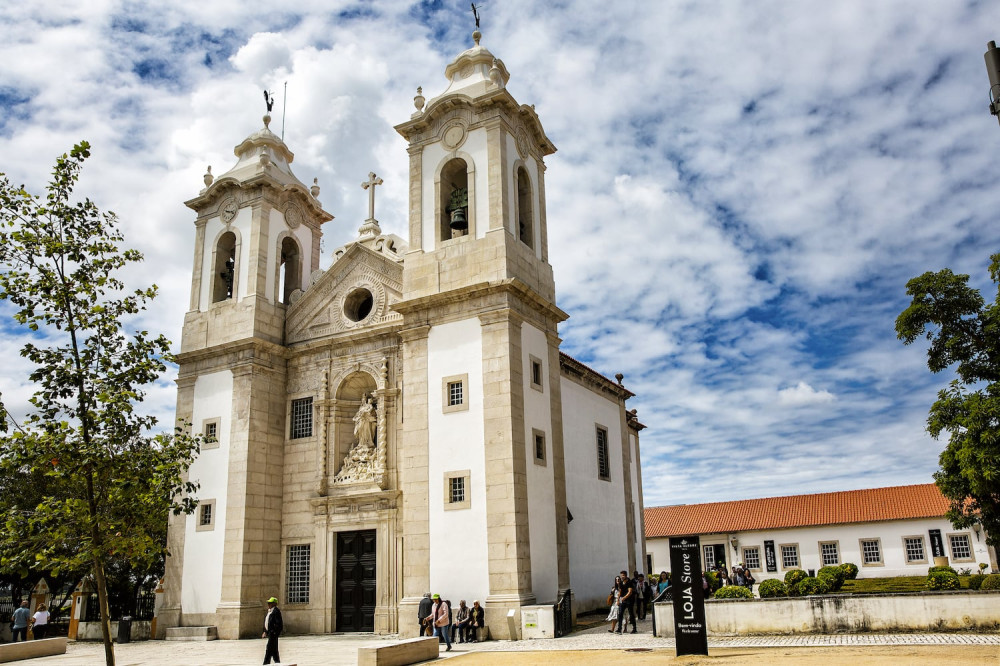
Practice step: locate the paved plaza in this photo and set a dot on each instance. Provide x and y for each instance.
(593, 645)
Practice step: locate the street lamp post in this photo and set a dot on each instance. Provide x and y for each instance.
(992, 57)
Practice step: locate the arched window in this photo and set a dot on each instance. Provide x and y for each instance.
(290, 270)
(525, 216)
(224, 275)
(454, 204)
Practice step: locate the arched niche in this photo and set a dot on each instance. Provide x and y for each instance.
(225, 266)
(289, 276)
(455, 189)
(349, 395)
(525, 222)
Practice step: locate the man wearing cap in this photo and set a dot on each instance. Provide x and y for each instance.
(272, 629)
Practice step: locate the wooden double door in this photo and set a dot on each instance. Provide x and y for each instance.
(356, 581)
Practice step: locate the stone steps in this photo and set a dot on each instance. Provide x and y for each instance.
(192, 634)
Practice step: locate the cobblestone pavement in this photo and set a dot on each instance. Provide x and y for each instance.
(341, 650)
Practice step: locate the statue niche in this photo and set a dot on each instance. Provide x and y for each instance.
(364, 462)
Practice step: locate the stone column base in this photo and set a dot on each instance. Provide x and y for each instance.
(236, 619)
(498, 607)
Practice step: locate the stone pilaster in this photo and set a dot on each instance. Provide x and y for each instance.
(416, 201)
(413, 460)
(199, 263)
(543, 224)
(496, 150)
(507, 534)
(252, 551)
(558, 462)
(626, 458)
(260, 238)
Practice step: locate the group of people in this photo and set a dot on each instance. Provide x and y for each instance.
(740, 576)
(630, 598)
(437, 619)
(22, 620)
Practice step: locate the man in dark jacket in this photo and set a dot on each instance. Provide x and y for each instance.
(424, 611)
(272, 629)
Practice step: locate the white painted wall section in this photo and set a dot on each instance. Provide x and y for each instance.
(459, 560)
(201, 587)
(541, 482)
(598, 543)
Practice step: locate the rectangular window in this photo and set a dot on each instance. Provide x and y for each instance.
(709, 557)
(830, 552)
(871, 551)
(302, 418)
(603, 456)
(210, 431)
(961, 547)
(790, 556)
(751, 557)
(297, 579)
(455, 393)
(914, 550)
(538, 438)
(456, 490)
(205, 516)
(536, 373)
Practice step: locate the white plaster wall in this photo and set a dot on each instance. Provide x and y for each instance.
(459, 561)
(213, 228)
(541, 482)
(431, 159)
(201, 585)
(598, 547)
(848, 536)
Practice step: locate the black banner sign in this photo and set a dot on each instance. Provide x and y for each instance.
(769, 558)
(937, 543)
(690, 633)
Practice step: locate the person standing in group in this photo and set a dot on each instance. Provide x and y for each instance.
(272, 629)
(424, 612)
(614, 601)
(642, 595)
(40, 622)
(750, 580)
(442, 617)
(477, 621)
(628, 603)
(19, 622)
(664, 582)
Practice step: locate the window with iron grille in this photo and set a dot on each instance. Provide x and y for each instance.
(914, 549)
(206, 514)
(297, 579)
(302, 418)
(789, 557)
(871, 551)
(455, 393)
(709, 557)
(603, 457)
(211, 431)
(751, 557)
(961, 548)
(831, 553)
(456, 489)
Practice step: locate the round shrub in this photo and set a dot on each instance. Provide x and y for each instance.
(945, 569)
(976, 581)
(713, 581)
(850, 570)
(834, 576)
(733, 592)
(943, 580)
(795, 576)
(813, 586)
(992, 582)
(772, 588)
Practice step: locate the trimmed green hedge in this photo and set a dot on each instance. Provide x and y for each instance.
(976, 581)
(813, 586)
(771, 588)
(795, 576)
(850, 570)
(943, 580)
(834, 577)
(713, 581)
(992, 582)
(945, 569)
(733, 592)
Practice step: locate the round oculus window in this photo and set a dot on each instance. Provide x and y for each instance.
(358, 304)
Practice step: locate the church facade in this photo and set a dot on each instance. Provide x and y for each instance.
(404, 421)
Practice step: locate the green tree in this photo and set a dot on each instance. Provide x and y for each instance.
(112, 481)
(964, 331)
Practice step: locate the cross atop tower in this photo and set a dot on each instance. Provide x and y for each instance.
(370, 228)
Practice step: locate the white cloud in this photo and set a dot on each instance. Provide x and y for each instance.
(802, 395)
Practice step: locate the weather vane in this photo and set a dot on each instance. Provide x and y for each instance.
(269, 100)
(475, 12)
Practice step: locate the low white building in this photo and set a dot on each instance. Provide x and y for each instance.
(896, 531)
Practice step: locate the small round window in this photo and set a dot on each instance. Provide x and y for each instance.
(358, 304)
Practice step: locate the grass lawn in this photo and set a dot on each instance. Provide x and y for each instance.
(895, 584)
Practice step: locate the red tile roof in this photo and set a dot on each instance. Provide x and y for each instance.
(848, 506)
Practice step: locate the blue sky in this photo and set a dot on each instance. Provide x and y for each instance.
(740, 192)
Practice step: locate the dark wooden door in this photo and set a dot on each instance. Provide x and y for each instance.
(356, 581)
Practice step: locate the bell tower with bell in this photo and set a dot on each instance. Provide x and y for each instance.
(481, 348)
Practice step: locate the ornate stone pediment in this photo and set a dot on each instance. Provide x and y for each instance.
(356, 293)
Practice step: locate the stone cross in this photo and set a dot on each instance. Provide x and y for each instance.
(369, 185)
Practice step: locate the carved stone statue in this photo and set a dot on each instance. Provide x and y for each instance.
(361, 462)
(364, 422)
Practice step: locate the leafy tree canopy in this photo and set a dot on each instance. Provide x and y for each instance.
(964, 332)
(109, 483)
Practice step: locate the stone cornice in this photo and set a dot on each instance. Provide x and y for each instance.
(241, 349)
(587, 376)
(482, 289)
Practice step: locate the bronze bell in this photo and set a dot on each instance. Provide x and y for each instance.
(458, 220)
